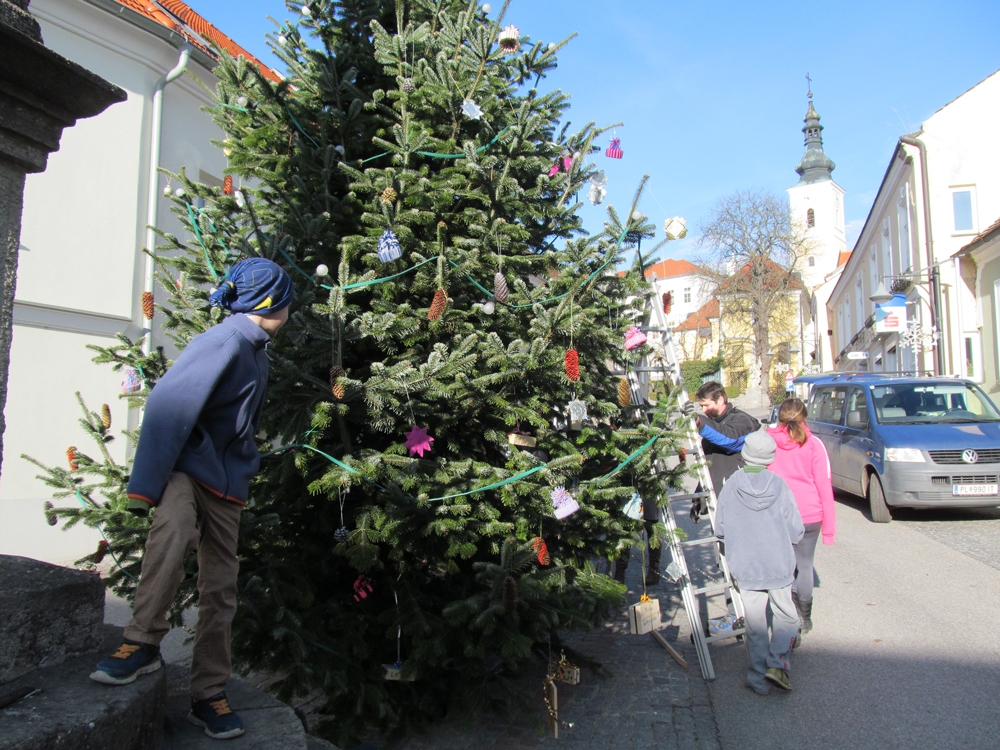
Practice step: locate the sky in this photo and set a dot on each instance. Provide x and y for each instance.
(712, 94)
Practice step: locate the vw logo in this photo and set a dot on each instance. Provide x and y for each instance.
(970, 456)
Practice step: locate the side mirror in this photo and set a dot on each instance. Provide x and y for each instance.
(857, 420)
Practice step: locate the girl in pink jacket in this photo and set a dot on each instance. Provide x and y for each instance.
(801, 460)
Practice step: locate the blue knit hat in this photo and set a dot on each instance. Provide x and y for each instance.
(254, 285)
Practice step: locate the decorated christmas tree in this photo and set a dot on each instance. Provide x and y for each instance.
(448, 440)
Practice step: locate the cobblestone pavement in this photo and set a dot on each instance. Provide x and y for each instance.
(972, 531)
(647, 701)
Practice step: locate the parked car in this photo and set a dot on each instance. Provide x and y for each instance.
(908, 442)
(772, 420)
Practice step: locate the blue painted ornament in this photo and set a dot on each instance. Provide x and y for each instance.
(388, 247)
(132, 383)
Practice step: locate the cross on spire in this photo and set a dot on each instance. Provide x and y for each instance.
(810, 86)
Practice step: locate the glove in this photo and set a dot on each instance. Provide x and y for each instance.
(687, 409)
(137, 507)
(696, 510)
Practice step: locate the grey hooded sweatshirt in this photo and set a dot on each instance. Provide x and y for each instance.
(759, 522)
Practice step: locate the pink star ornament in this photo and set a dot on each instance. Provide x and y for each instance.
(418, 441)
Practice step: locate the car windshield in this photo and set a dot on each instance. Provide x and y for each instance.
(916, 403)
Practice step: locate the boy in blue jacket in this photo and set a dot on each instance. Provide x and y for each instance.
(759, 521)
(195, 459)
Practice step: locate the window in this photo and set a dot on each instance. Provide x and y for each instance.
(890, 359)
(857, 410)
(873, 270)
(903, 225)
(812, 261)
(973, 358)
(687, 294)
(828, 405)
(859, 321)
(810, 218)
(964, 206)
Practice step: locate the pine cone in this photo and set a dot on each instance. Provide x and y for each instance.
(147, 305)
(227, 185)
(106, 416)
(624, 394)
(71, 457)
(509, 595)
(336, 373)
(388, 196)
(408, 86)
(438, 305)
(572, 364)
(102, 550)
(50, 517)
(341, 534)
(542, 550)
(500, 290)
(667, 302)
(682, 454)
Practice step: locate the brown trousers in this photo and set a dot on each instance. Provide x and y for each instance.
(189, 517)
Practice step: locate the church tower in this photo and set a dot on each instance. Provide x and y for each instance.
(817, 206)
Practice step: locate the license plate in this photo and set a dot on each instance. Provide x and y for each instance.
(975, 489)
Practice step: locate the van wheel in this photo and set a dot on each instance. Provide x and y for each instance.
(876, 499)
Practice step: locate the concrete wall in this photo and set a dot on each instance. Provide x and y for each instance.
(82, 268)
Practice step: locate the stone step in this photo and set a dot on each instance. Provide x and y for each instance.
(69, 710)
(47, 614)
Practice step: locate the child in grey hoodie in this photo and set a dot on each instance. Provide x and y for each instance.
(759, 521)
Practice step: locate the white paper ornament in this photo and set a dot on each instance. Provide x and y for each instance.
(322, 270)
(510, 39)
(240, 199)
(596, 194)
(471, 109)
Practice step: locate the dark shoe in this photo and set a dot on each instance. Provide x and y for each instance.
(128, 662)
(215, 715)
(620, 567)
(652, 577)
(806, 612)
(779, 677)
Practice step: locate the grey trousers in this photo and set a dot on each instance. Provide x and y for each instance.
(189, 517)
(805, 553)
(764, 608)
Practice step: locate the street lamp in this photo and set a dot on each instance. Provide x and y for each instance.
(881, 295)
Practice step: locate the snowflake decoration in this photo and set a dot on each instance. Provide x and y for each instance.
(918, 339)
(471, 109)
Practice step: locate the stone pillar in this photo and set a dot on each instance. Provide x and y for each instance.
(41, 94)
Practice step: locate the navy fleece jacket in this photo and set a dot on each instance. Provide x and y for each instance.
(722, 440)
(203, 414)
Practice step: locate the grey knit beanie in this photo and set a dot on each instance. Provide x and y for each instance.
(758, 449)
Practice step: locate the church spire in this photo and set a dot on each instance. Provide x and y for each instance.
(815, 166)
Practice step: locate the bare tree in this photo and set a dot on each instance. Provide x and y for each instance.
(752, 255)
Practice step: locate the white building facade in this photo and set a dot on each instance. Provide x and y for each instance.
(941, 184)
(82, 270)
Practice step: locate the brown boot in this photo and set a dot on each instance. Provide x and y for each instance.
(653, 574)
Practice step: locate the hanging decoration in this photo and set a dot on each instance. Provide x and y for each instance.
(418, 441)
(500, 290)
(510, 39)
(598, 190)
(388, 196)
(563, 502)
(388, 247)
(438, 304)
(101, 551)
(572, 364)
(408, 86)
(624, 394)
(50, 517)
(564, 671)
(362, 588)
(633, 507)
(577, 414)
(105, 416)
(541, 550)
(336, 373)
(131, 383)
(147, 305)
(634, 338)
(71, 457)
(614, 150)
(563, 163)
(342, 534)
(227, 185)
(471, 109)
(668, 301)
(682, 455)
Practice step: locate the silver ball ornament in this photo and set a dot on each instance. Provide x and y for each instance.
(322, 270)
(305, 11)
(408, 86)
(341, 534)
(179, 193)
(487, 8)
(488, 307)
(242, 101)
(167, 192)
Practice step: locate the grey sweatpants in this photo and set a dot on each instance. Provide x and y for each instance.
(764, 608)
(805, 553)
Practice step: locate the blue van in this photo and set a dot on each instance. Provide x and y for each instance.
(907, 442)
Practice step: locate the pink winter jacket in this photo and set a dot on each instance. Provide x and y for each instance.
(806, 470)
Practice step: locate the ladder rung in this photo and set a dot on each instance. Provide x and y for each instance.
(692, 496)
(717, 588)
(723, 636)
(695, 542)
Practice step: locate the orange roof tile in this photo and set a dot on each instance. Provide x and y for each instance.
(670, 267)
(164, 12)
(844, 257)
(700, 319)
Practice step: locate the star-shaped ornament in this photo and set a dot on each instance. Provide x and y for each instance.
(471, 109)
(418, 441)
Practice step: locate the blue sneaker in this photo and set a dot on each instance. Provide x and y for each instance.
(128, 662)
(215, 715)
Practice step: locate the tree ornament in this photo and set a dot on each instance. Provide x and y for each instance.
(552, 46)
(282, 39)
(322, 270)
(418, 441)
(633, 507)
(362, 588)
(598, 191)
(242, 101)
(179, 193)
(101, 551)
(388, 247)
(487, 307)
(566, 672)
(147, 305)
(408, 86)
(563, 502)
(624, 393)
(577, 414)
(542, 550)
(304, 10)
(388, 196)
(471, 109)
(438, 305)
(682, 455)
(227, 185)
(510, 39)
(50, 517)
(341, 535)
(106, 416)
(634, 338)
(572, 364)
(487, 8)
(71, 457)
(675, 228)
(240, 198)
(227, 148)
(131, 383)
(500, 290)
(168, 191)
(668, 302)
(509, 595)
(336, 373)
(614, 150)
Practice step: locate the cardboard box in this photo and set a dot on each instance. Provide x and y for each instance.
(644, 617)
